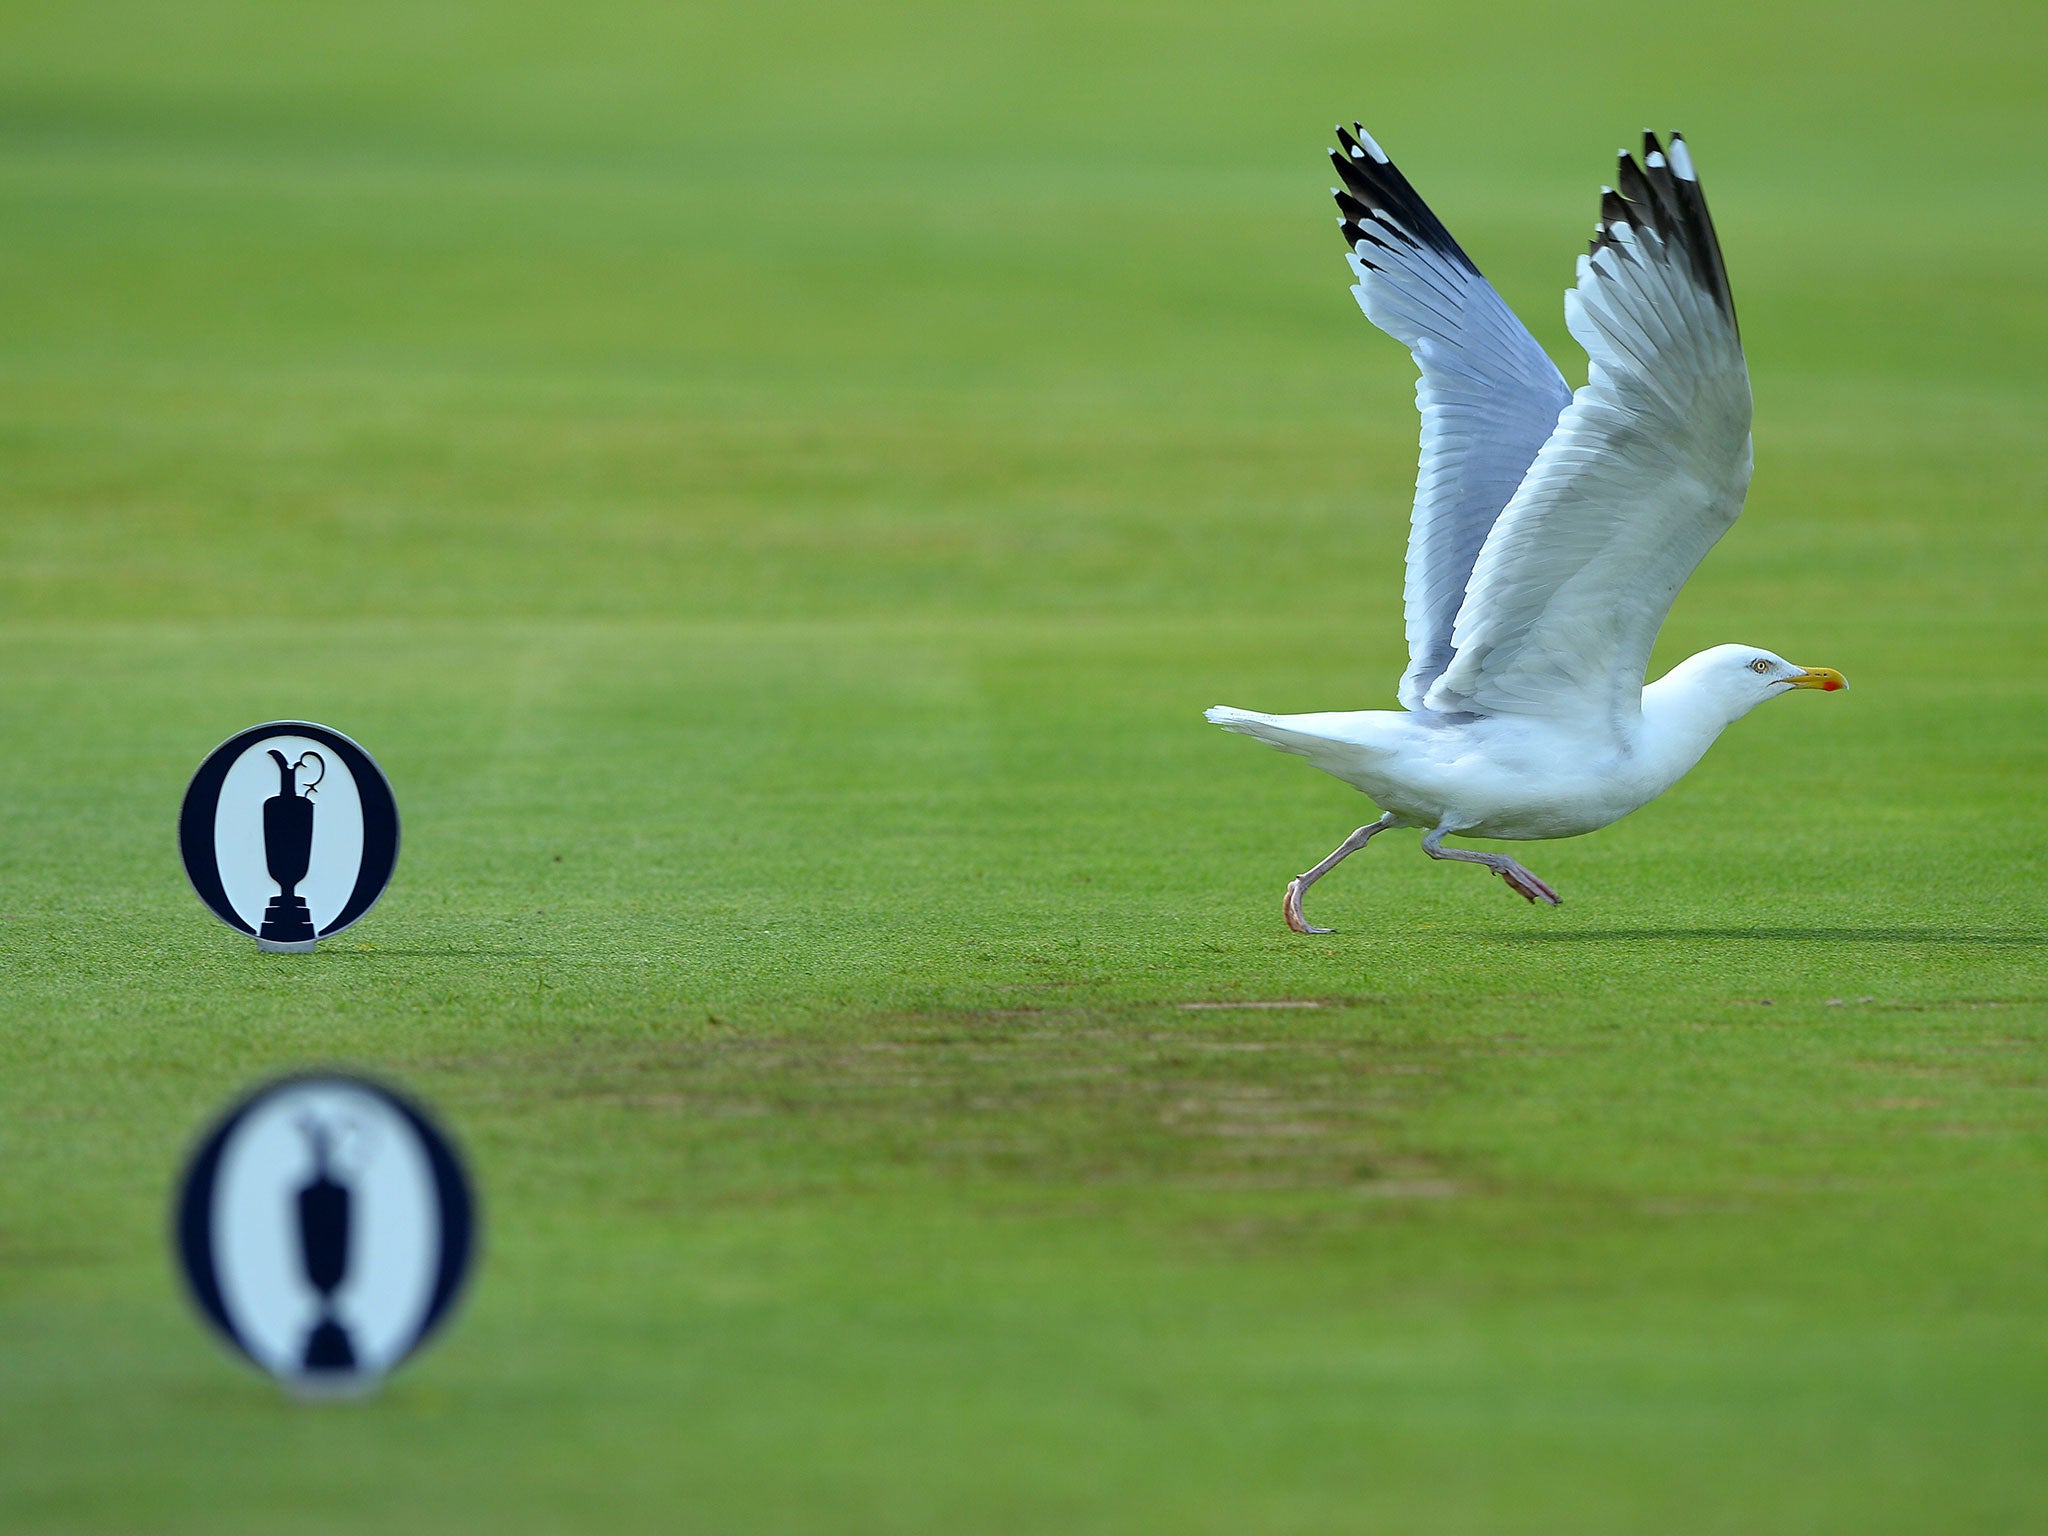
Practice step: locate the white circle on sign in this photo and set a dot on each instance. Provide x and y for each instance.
(337, 856)
(394, 1247)
(325, 1228)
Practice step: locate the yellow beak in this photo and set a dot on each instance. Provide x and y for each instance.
(1818, 677)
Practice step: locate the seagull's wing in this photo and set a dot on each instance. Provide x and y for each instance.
(1647, 468)
(1489, 395)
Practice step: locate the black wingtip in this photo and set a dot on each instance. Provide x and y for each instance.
(1662, 195)
(1379, 202)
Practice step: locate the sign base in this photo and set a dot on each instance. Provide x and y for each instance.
(286, 946)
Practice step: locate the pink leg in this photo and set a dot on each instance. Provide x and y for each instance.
(1290, 907)
(1521, 881)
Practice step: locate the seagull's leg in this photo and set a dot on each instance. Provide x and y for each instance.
(1291, 906)
(1521, 881)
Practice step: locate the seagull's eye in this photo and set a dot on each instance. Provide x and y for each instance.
(1759, 666)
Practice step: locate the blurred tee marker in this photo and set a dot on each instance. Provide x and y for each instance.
(324, 1227)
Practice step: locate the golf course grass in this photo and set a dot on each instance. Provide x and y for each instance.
(775, 487)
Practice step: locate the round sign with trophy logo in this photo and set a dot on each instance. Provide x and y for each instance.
(324, 1228)
(289, 833)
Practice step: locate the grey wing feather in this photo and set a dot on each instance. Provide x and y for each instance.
(1488, 393)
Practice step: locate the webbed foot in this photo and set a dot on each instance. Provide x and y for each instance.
(1524, 883)
(1290, 908)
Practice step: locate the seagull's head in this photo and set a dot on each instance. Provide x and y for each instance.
(1740, 677)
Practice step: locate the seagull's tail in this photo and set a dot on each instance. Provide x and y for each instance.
(1327, 740)
(1246, 722)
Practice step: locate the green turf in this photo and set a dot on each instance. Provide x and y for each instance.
(776, 487)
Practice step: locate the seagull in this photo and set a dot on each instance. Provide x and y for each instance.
(1552, 529)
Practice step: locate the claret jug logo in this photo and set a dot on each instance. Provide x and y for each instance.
(324, 1227)
(289, 833)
